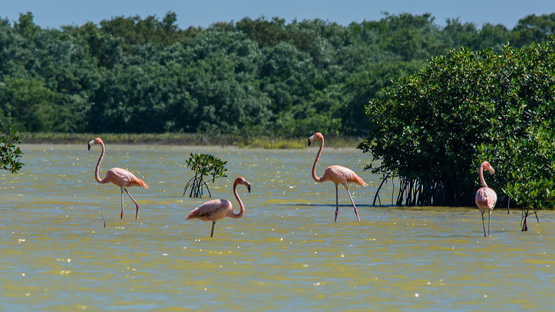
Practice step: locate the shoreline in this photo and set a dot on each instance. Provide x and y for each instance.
(185, 139)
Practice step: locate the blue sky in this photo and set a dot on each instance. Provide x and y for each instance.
(56, 13)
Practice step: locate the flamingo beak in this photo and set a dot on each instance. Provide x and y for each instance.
(249, 188)
(90, 143)
(311, 139)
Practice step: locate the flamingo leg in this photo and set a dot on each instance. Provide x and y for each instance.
(352, 201)
(336, 202)
(213, 225)
(133, 199)
(482, 211)
(489, 218)
(121, 215)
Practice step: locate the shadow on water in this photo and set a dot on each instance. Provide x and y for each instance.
(323, 205)
(285, 253)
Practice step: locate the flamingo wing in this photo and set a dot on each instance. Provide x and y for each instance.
(339, 174)
(485, 198)
(122, 177)
(211, 210)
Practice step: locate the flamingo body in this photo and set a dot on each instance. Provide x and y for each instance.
(216, 209)
(212, 210)
(485, 197)
(123, 178)
(336, 174)
(120, 177)
(341, 175)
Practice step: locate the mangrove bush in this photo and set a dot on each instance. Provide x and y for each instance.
(433, 129)
(10, 152)
(203, 165)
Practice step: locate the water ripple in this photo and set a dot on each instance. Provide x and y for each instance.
(286, 253)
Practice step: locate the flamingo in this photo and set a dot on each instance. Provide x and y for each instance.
(118, 176)
(336, 174)
(485, 197)
(214, 210)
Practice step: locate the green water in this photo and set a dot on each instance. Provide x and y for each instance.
(285, 254)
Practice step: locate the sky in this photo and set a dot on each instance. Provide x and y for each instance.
(203, 13)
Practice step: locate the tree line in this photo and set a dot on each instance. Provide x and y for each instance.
(251, 77)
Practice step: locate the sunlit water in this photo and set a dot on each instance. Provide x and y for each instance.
(285, 254)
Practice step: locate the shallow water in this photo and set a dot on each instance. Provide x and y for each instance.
(286, 253)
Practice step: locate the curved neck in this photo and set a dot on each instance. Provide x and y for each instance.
(97, 169)
(241, 206)
(314, 176)
(482, 181)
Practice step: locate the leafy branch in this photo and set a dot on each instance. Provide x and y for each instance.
(203, 165)
(9, 152)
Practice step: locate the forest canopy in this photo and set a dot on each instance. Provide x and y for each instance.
(255, 76)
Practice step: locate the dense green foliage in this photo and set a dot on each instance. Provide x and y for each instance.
(522, 141)
(133, 75)
(203, 165)
(434, 128)
(9, 152)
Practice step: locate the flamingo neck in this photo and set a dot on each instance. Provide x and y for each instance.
(241, 206)
(314, 176)
(97, 169)
(482, 180)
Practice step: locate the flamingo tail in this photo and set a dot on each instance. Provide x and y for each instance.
(139, 182)
(193, 214)
(358, 180)
(490, 202)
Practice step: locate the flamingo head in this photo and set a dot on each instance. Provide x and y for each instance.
(486, 165)
(241, 180)
(315, 136)
(95, 141)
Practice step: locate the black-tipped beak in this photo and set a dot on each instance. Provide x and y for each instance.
(309, 142)
(91, 142)
(249, 188)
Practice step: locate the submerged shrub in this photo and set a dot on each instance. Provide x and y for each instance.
(203, 165)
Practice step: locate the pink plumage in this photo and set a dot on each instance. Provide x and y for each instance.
(485, 197)
(212, 210)
(341, 175)
(217, 209)
(120, 177)
(336, 174)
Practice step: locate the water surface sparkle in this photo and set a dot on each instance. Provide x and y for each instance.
(286, 253)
